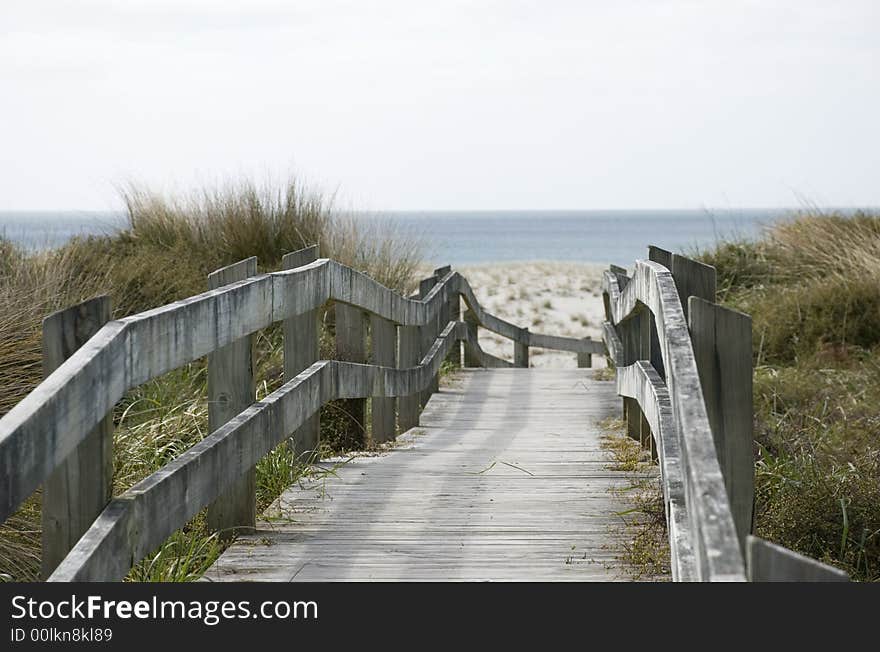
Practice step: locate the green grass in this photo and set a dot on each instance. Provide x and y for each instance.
(165, 254)
(812, 287)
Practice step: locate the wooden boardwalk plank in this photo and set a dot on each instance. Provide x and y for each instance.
(504, 480)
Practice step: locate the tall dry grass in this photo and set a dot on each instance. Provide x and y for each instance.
(812, 287)
(171, 244)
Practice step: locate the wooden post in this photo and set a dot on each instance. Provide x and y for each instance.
(521, 351)
(471, 359)
(768, 562)
(383, 341)
(351, 345)
(301, 350)
(80, 487)
(585, 360)
(722, 340)
(663, 257)
(408, 357)
(231, 390)
(630, 336)
(692, 279)
(427, 335)
(454, 357)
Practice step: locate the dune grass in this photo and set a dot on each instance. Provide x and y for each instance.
(812, 287)
(165, 254)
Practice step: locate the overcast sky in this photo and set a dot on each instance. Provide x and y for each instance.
(402, 104)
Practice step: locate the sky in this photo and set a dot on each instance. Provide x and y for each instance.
(412, 105)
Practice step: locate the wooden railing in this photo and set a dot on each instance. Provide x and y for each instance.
(684, 370)
(60, 435)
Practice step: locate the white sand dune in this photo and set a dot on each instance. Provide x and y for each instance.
(553, 298)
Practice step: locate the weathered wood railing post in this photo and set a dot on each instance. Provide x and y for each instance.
(585, 360)
(657, 255)
(427, 335)
(471, 359)
(80, 487)
(351, 346)
(301, 350)
(768, 562)
(444, 315)
(521, 350)
(383, 350)
(408, 357)
(453, 313)
(722, 340)
(630, 332)
(231, 390)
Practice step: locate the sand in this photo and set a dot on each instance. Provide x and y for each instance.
(547, 297)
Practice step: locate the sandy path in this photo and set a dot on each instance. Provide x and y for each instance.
(547, 297)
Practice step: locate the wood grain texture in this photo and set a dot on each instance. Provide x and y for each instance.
(471, 359)
(692, 279)
(504, 480)
(408, 356)
(715, 544)
(301, 350)
(383, 348)
(640, 382)
(768, 562)
(722, 340)
(351, 346)
(231, 389)
(521, 352)
(144, 516)
(81, 486)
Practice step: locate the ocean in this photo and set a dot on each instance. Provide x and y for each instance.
(472, 237)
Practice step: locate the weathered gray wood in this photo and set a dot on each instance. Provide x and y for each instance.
(80, 487)
(301, 350)
(716, 545)
(631, 332)
(231, 390)
(692, 279)
(455, 355)
(351, 345)
(140, 519)
(521, 352)
(613, 345)
(471, 359)
(663, 257)
(585, 360)
(768, 562)
(300, 257)
(43, 429)
(641, 382)
(557, 343)
(427, 334)
(444, 504)
(408, 356)
(383, 347)
(722, 340)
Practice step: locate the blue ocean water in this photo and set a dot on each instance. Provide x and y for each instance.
(596, 236)
(468, 237)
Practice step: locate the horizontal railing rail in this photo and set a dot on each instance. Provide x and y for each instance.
(683, 367)
(59, 417)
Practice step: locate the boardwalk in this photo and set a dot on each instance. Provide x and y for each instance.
(505, 479)
(501, 477)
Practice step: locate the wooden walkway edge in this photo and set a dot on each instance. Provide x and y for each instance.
(504, 480)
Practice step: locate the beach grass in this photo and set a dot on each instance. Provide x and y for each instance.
(170, 245)
(812, 286)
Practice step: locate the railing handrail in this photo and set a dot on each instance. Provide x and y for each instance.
(38, 434)
(715, 546)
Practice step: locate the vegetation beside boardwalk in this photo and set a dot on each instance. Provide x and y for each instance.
(170, 246)
(812, 286)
